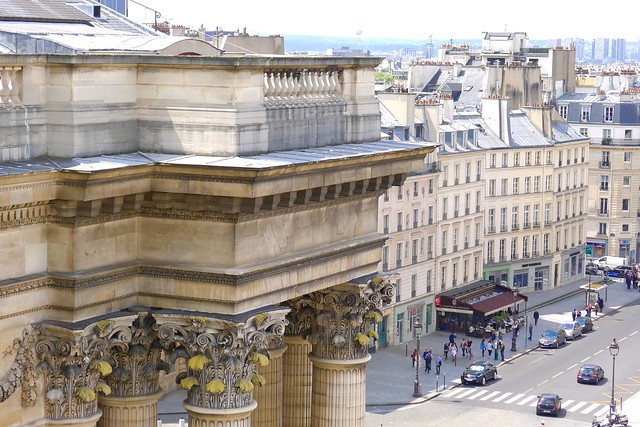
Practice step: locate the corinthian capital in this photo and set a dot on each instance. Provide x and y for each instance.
(222, 355)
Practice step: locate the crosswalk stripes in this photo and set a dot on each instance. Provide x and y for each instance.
(520, 399)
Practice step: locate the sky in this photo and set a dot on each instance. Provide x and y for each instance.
(406, 19)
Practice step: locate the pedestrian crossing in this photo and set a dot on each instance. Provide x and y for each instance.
(521, 399)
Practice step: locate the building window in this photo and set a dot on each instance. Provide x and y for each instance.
(386, 196)
(562, 109)
(415, 189)
(399, 216)
(627, 156)
(549, 157)
(414, 280)
(502, 249)
(516, 185)
(606, 135)
(608, 114)
(585, 113)
(604, 182)
(398, 299)
(537, 158)
(514, 217)
(429, 281)
(492, 187)
(527, 184)
(536, 184)
(547, 183)
(625, 228)
(400, 192)
(516, 159)
(385, 223)
(505, 160)
(604, 206)
(602, 228)
(626, 181)
(628, 134)
(492, 161)
(504, 183)
(503, 219)
(584, 132)
(625, 205)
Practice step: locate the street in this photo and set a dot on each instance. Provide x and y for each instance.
(511, 399)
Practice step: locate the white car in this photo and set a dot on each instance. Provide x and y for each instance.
(573, 330)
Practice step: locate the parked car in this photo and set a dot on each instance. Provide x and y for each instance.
(591, 269)
(590, 374)
(479, 373)
(553, 338)
(586, 323)
(572, 329)
(609, 261)
(619, 271)
(549, 403)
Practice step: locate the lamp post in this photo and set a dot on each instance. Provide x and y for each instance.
(515, 319)
(417, 388)
(614, 348)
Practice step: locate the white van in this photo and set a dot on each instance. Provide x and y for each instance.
(610, 262)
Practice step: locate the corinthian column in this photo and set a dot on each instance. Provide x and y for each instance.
(222, 356)
(269, 396)
(135, 356)
(339, 333)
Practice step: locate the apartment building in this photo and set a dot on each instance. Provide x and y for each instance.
(610, 117)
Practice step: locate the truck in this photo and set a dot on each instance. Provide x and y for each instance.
(609, 262)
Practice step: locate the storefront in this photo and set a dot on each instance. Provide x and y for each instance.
(596, 248)
(467, 308)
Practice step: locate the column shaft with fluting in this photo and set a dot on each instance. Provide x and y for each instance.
(137, 411)
(297, 371)
(269, 396)
(338, 397)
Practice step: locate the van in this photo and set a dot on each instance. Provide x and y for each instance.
(609, 262)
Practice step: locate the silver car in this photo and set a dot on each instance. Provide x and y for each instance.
(572, 329)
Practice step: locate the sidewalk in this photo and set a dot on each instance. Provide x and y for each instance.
(390, 376)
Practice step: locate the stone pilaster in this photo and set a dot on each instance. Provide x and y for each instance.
(221, 363)
(134, 353)
(339, 323)
(338, 392)
(238, 417)
(297, 369)
(269, 396)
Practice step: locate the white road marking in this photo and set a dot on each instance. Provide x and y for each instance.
(567, 403)
(590, 408)
(454, 392)
(490, 395)
(514, 398)
(585, 359)
(528, 399)
(577, 406)
(533, 403)
(539, 358)
(633, 333)
(622, 339)
(597, 352)
(504, 396)
(542, 383)
(478, 394)
(558, 374)
(466, 393)
(572, 366)
(602, 411)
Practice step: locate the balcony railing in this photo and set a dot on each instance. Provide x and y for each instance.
(491, 230)
(10, 85)
(604, 165)
(301, 86)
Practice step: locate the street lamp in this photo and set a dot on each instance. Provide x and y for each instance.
(417, 388)
(515, 319)
(614, 348)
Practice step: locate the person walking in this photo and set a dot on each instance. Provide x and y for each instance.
(536, 316)
(438, 364)
(483, 347)
(489, 348)
(446, 350)
(414, 357)
(601, 305)
(469, 344)
(427, 362)
(463, 346)
(573, 314)
(530, 331)
(454, 353)
(502, 350)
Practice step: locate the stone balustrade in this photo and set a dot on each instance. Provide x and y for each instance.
(306, 86)
(10, 83)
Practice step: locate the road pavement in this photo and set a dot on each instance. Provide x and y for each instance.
(391, 376)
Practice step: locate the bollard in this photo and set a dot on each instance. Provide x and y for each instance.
(444, 380)
(437, 379)
(406, 350)
(181, 422)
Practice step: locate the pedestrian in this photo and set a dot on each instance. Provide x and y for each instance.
(469, 344)
(601, 304)
(530, 331)
(595, 308)
(483, 347)
(573, 314)
(414, 357)
(517, 328)
(502, 350)
(446, 350)
(452, 338)
(496, 350)
(427, 362)
(454, 353)
(438, 364)
(489, 347)
(536, 316)
(588, 310)
(463, 346)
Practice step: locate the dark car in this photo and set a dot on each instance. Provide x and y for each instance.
(549, 404)
(590, 374)
(553, 338)
(619, 271)
(479, 373)
(591, 269)
(586, 323)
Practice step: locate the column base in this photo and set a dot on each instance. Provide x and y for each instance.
(76, 422)
(204, 417)
(131, 411)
